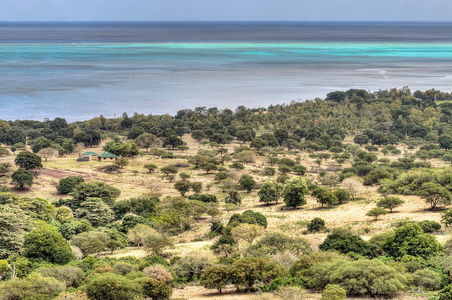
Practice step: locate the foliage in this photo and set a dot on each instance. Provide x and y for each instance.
(182, 186)
(342, 195)
(248, 271)
(316, 225)
(48, 244)
(410, 239)
(28, 160)
(90, 242)
(333, 292)
(33, 287)
(93, 189)
(435, 194)
(274, 243)
(247, 232)
(14, 224)
(96, 211)
(247, 182)
(294, 191)
(157, 243)
(390, 202)
(215, 277)
(191, 265)
(233, 197)
(21, 178)
(376, 211)
(427, 279)
(70, 275)
(324, 196)
(269, 192)
(138, 234)
(111, 286)
(344, 241)
(68, 184)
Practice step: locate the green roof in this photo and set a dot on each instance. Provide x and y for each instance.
(90, 153)
(107, 154)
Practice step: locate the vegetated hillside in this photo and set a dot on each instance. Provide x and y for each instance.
(343, 196)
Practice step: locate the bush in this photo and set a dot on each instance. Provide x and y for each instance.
(158, 272)
(70, 275)
(157, 290)
(67, 184)
(33, 287)
(333, 292)
(215, 277)
(111, 286)
(427, 279)
(344, 241)
(316, 225)
(191, 265)
(429, 226)
(274, 243)
(207, 198)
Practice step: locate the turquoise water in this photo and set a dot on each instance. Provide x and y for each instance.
(82, 79)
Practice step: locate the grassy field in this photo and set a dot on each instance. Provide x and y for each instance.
(134, 180)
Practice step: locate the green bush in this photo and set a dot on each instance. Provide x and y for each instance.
(344, 241)
(333, 292)
(67, 184)
(427, 279)
(111, 286)
(316, 225)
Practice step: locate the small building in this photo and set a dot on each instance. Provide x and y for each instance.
(90, 155)
(107, 156)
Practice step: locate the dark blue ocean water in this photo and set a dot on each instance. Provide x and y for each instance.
(82, 70)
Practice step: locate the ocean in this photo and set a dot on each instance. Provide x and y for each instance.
(82, 70)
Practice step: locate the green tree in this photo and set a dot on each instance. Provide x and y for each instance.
(434, 194)
(150, 167)
(294, 191)
(112, 286)
(93, 189)
(215, 277)
(172, 141)
(147, 140)
(445, 141)
(390, 202)
(90, 242)
(40, 143)
(274, 243)
(247, 182)
(137, 234)
(28, 160)
(182, 186)
(167, 170)
(316, 225)
(375, 212)
(324, 196)
(446, 217)
(48, 244)
(342, 195)
(67, 184)
(21, 178)
(269, 192)
(96, 211)
(233, 197)
(343, 241)
(333, 292)
(247, 271)
(410, 239)
(157, 243)
(14, 224)
(33, 287)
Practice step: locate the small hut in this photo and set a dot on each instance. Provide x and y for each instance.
(88, 155)
(107, 156)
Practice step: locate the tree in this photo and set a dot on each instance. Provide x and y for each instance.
(198, 135)
(208, 166)
(14, 224)
(353, 185)
(274, 243)
(343, 241)
(147, 140)
(167, 170)
(333, 292)
(93, 189)
(33, 287)
(247, 271)
(112, 286)
(215, 277)
(316, 225)
(150, 167)
(247, 232)
(269, 192)
(375, 212)
(48, 244)
(157, 243)
(247, 182)
(40, 143)
(361, 139)
(294, 191)
(28, 160)
(233, 197)
(410, 239)
(342, 195)
(446, 217)
(434, 194)
(445, 141)
(137, 234)
(324, 196)
(390, 202)
(90, 242)
(192, 264)
(21, 178)
(68, 184)
(182, 186)
(96, 211)
(172, 141)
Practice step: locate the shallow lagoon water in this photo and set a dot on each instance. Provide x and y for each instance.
(97, 69)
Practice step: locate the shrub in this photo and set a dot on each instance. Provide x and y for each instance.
(429, 226)
(344, 241)
(316, 225)
(111, 286)
(191, 265)
(274, 243)
(215, 277)
(33, 287)
(427, 279)
(207, 198)
(157, 290)
(70, 275)
(333, 292)
(67, 184)
(158, 272)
